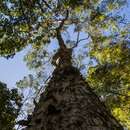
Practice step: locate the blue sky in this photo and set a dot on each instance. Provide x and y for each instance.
(12, 70)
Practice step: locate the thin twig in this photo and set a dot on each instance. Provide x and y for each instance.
(78, 37)
(78, 41)
(18, 127)
(41, 87)
(83, 39)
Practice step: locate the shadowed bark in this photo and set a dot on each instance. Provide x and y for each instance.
(68, 103)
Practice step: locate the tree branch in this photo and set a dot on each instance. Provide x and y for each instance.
(79, 40)
(59, 37)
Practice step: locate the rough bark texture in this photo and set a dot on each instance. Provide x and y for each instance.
(68, 103)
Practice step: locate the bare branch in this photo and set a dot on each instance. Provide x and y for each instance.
(79, 40)
(78, 37)
(83, 39)
(40, 89)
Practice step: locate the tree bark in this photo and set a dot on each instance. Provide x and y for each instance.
(68, 103)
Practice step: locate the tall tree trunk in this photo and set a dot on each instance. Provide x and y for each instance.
(68, 103)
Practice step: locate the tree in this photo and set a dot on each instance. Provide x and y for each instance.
(37, 23)
(112, 79)
(10, 103)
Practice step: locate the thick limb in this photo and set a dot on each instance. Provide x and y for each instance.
(59, 37)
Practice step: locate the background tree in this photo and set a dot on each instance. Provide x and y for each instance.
(109, 77)
(10, 103)
(35, 22)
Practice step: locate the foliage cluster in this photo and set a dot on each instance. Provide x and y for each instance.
(10, 104)
(110, 79)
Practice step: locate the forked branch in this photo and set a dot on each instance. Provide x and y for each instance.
(79, 40)
(59, 37)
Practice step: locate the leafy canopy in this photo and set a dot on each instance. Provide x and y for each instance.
(34, 22)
